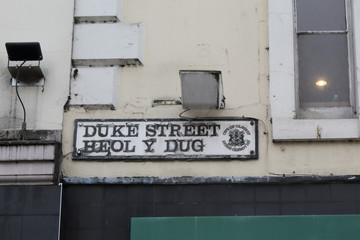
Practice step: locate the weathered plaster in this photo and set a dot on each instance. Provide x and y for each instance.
(230, 36)
(51, 24)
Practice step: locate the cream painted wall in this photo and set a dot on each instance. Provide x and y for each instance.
(49, 22)
(226, 35)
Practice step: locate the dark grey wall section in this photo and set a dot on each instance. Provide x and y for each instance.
(104, 211)
(29, 212)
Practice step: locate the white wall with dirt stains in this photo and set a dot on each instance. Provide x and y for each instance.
(226, 35)
(49, 22)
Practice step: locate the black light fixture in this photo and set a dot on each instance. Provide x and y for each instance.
(25, 52)
(31, 74)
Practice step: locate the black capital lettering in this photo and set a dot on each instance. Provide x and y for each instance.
(149, 144)
(184, 145)
(189, 130)
(162, 129)
(104, 146)
(127, 144)
(214, 132)
(117, 131)
(198, 145)
(150, 130)
(202, 130)
(89, 146)
(89, 133)
(133, 130)
(171, 145)
(101, 128)
(117, 146)
(174, 128)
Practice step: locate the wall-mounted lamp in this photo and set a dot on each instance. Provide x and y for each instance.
(31, 74)
(201, 89)
(25, 75)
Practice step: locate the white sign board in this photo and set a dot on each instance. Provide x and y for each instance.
(159, 139)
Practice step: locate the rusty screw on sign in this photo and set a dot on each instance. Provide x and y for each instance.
(252, 152)
(252, 122)
(78, 153)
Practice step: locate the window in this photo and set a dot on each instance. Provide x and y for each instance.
(323, 59)
(313, 89)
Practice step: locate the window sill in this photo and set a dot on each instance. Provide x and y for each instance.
(315, 129)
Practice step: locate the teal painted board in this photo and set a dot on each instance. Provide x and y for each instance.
(321, 227)
(163, 228)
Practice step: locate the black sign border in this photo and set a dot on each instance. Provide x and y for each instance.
(140, 158)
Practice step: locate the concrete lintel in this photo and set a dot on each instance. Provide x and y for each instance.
(30, 135)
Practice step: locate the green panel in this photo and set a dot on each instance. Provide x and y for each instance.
(344, 227)
(163, 228)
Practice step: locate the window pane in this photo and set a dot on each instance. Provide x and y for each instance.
(323, 70)
(321, 15)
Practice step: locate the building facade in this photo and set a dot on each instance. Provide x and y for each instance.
(178, 109)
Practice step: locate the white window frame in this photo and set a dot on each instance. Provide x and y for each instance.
(282, 81)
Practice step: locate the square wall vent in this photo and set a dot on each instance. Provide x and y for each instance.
(201, 89)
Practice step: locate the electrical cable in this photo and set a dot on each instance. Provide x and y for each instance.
(187, 118)
(267, 158)
(266, 133)
(23, 127)
(267, 151)
(181, 114)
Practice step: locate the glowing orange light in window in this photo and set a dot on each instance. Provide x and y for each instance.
(321, 83)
